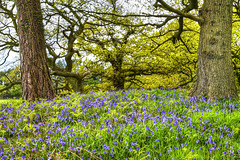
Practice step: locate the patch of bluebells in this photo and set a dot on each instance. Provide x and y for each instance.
(135, 123)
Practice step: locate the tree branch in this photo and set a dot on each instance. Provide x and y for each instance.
(178, 12)
(5, 59)
(10, 86)
(70, 74)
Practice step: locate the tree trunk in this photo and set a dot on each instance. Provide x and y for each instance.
(215, 77)
(79, 85)
(118, 77)
(118, 80)
(36, 81)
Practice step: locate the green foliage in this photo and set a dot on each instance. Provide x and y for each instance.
(133, 124)
(6, 77)
(13, 102)
(15, 91)
(179, 59)
(147, 58)
(235, 48)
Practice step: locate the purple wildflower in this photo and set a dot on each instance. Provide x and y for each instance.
(197, 141)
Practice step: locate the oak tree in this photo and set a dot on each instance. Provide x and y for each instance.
(215, 76)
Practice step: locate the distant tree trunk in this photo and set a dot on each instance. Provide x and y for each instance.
(215, 77)
(36, 81)
(118, 80)
(79, 85)
(118, 77)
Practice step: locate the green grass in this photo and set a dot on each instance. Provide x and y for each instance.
(145, 124)
(10, 101)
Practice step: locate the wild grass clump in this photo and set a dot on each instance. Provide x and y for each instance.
(133, 124)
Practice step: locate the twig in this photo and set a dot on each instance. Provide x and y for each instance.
(51, 154)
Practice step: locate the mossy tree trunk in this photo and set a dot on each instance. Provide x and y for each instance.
(118, 75)
(215, 77)
(35, 77)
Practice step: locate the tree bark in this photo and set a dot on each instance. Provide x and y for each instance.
(118, 77)
(118, 80)
(215, 77)
(35, 77)
(79, 85)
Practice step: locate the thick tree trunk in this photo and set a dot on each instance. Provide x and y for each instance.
(215, 77)
(118, 81)
(79, 85)
(118, 77)
(36, 81)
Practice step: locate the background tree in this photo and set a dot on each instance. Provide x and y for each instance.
(236, 47)
(132, 55)
(148, 55)
(8, 88)
(111, 47)
(65, 24)
(9, 44)
(180, 58)
(35, 77)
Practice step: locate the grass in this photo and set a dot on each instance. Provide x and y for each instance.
(145, 124)
(10, 101)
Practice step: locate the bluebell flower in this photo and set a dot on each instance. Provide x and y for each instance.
(225, 153)
(4, 157)
(106, 147)
(40, 139)
(211, 149)
(147, 128)
(112, 152)
(226, 146)
(170, 150)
